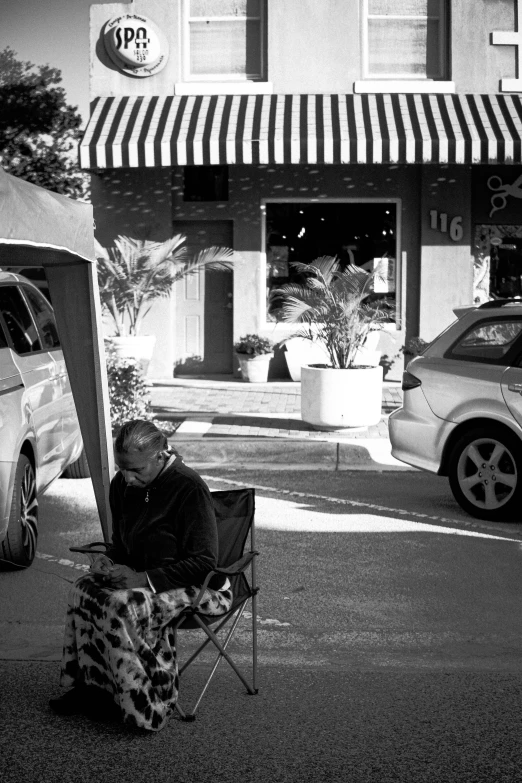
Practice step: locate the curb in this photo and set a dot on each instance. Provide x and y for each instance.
(290, 454)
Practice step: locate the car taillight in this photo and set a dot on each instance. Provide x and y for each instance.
(409, 381)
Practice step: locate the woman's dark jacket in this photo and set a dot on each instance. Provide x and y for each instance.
(172, 535)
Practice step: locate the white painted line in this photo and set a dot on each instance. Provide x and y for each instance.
(369, 525)
(62, 561)
(80, 567)
(248, 616)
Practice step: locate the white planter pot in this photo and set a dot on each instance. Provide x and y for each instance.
(335, 399)
(254, 369)
(138, 347)
(299, 352)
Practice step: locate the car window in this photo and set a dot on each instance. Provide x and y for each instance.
(44, 317)
(488, 341)
(18, 320)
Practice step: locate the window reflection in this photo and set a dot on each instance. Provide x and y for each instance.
(360, 234)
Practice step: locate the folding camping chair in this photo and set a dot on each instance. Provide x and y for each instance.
(235, 510)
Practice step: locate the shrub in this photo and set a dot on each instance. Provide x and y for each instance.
(253, 345)
(414, 347)
(128, 393)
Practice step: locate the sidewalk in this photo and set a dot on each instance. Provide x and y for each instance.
(226, 421)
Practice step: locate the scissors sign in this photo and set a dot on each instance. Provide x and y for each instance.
(501, 192)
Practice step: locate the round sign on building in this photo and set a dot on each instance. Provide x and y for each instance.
(135, 44)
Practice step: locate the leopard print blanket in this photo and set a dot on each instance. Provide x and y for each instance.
(121, 642)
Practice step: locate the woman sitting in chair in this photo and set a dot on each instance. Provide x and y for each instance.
(118, 650)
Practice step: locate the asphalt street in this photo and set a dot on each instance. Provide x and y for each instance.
(389, 632)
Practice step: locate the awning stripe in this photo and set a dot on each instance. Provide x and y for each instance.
(513, 122)
(324, 109)
(440, 131)
(164, 136)
(295, 128)
(146, 131)
(343, 114)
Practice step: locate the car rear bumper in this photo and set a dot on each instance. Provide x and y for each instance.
(418, 436)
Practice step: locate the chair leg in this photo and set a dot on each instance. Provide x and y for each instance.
(254, 642)
(252, 690)
(201, 647)
(222, 649)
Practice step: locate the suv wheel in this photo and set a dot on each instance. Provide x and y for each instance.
(78, 469)
(19, 546)
(485, 473)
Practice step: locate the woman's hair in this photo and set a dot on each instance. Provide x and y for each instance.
(140, 435)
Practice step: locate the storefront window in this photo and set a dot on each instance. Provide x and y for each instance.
(498, 262)
(506, 268)
(363, 234)
(205, 183)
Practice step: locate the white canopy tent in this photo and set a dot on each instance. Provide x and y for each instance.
(40, 228)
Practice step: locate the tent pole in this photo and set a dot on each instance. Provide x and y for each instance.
(104, 421)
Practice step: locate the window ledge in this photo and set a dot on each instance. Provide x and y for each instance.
(223, 88)
(403, 85)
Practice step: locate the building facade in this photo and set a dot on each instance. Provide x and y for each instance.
(386, 132)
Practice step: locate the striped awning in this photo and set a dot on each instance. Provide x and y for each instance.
(137, 131)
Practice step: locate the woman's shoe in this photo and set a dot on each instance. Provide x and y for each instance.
(99, 705)
(71, 703)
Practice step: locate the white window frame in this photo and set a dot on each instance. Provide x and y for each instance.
(226, 77)
(282, 328)
(400, 82)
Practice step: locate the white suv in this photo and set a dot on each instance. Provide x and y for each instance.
(462, 409)
(40, 434)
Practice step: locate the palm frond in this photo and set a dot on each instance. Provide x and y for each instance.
(173, 249)
(216, 258)
(212, 259)
(326, 266)
(296, 310)
(135, 272)
(336, 302)
(100, 251)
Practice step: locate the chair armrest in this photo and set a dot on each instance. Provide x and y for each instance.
(89, 549)
(238, 567)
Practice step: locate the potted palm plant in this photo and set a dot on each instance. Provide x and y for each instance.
(254, 354)
(136, 272)
(336, 309)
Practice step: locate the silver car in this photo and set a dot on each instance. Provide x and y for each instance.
(40, 434)
(462, 410)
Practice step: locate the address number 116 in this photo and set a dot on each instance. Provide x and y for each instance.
(439, 222)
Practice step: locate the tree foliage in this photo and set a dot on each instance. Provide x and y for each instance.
(39, 130)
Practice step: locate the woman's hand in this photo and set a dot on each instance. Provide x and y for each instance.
(101, 565)
(124, 578)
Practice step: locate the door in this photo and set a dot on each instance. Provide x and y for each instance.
(44, 317)
(512, 391)
(204, 305)
(42, 398)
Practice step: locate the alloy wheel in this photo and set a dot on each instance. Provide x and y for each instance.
(29, 512)
(487, 473)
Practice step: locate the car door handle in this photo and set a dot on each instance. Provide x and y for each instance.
(515, 387)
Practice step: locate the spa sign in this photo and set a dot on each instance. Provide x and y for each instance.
(135, 44)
